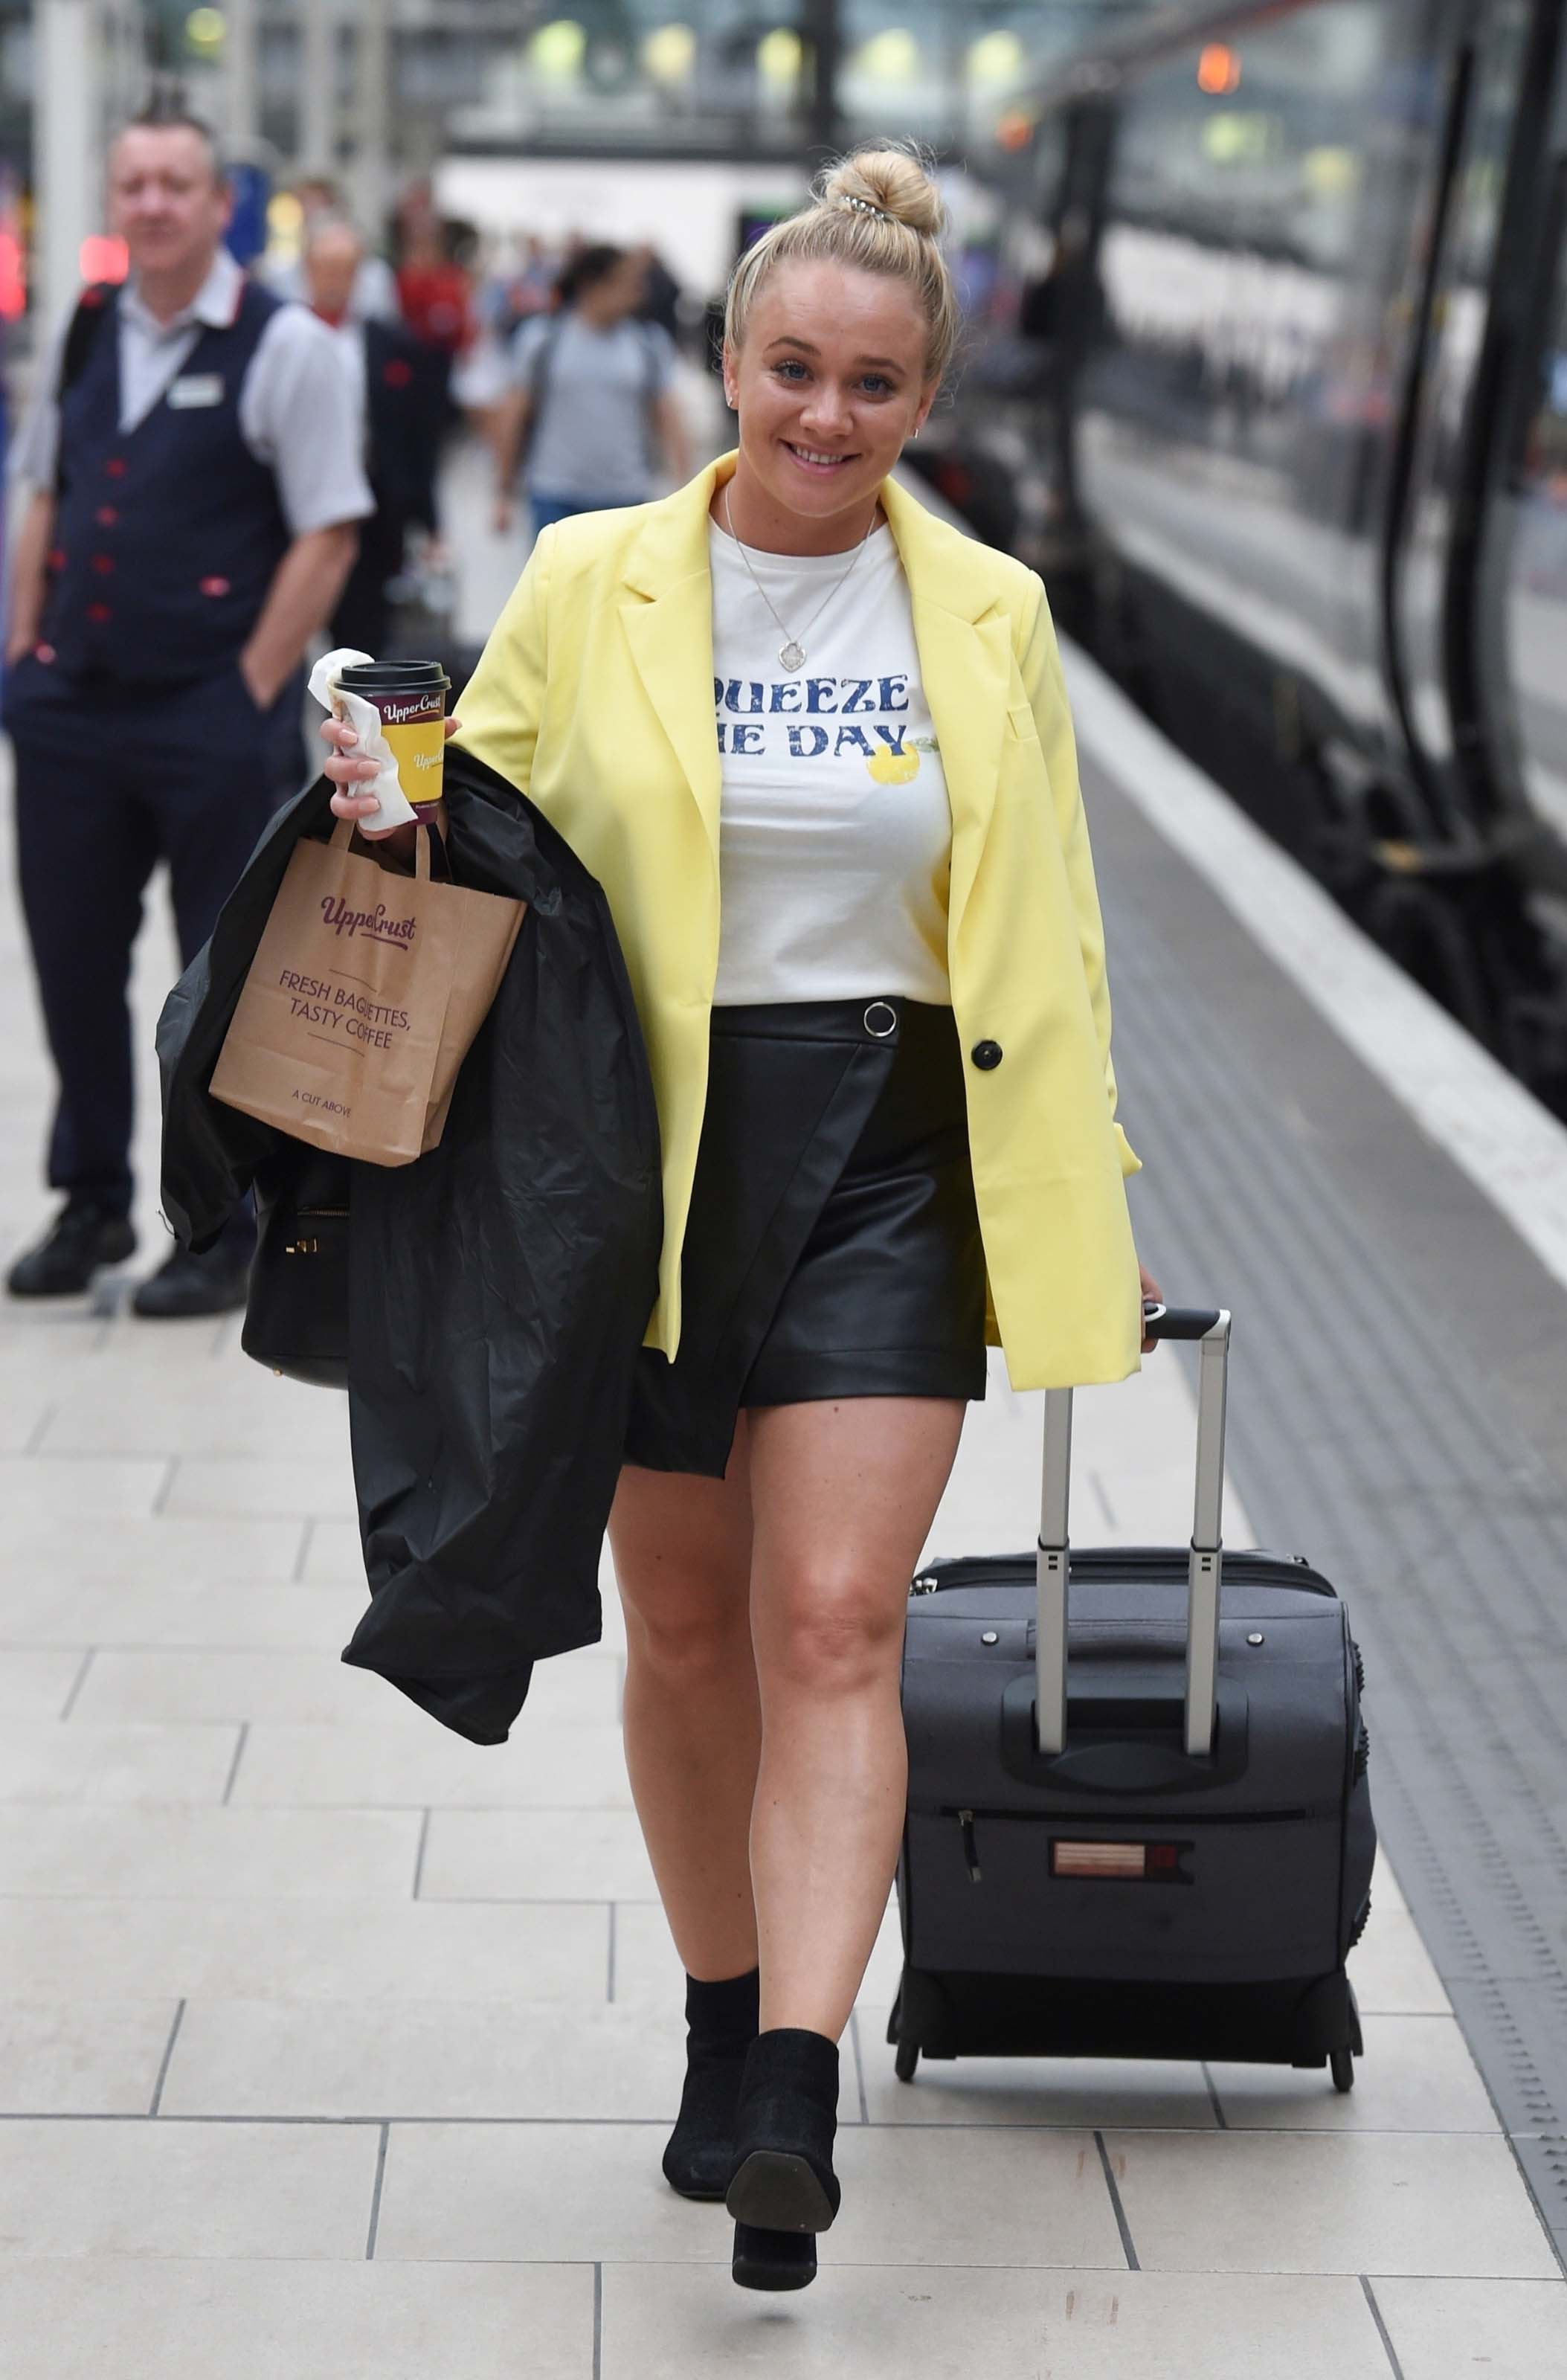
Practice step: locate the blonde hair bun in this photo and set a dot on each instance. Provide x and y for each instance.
(891, 179)
(860, 215)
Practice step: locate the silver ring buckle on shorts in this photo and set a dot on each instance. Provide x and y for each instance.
(878, 1032)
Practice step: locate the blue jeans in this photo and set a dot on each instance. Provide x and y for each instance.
(547, 510)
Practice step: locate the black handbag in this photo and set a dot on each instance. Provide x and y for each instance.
(297, 1314)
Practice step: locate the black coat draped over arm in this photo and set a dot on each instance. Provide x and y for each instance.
(498, 1287)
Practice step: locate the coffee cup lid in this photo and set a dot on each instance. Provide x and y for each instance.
(392, 677)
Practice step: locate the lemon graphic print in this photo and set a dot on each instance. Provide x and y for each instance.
(899, 765)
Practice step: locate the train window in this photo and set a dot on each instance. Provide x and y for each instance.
(1257, 144)
(1241, 376)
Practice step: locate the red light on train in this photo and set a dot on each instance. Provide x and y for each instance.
(1218, 69)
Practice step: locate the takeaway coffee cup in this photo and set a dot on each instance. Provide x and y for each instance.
(411, 699)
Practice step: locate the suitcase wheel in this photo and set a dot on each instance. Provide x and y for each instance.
(907, 2059)
(1342, 2063)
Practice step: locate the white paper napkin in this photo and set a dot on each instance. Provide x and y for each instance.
(365, 719)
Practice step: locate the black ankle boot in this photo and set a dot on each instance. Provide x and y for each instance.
(773, 2260)
(720, 2024)
(788, 2113)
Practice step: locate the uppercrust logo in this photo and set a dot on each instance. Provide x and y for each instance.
(375, 923)
(418, 707)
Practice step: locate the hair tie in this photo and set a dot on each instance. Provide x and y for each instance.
(864, 207)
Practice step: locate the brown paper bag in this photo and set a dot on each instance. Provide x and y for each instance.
(362, 1001)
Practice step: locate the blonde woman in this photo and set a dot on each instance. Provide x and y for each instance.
(814, 744)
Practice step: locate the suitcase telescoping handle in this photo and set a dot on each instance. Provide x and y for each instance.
(1210, 1326)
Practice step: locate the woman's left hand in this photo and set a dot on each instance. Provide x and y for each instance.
(1151, 1289)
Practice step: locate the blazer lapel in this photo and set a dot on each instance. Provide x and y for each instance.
(966, 667)
(667, 614)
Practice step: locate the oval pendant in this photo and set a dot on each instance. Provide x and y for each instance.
(792, 655)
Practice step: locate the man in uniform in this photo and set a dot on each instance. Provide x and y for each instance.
(194, 465)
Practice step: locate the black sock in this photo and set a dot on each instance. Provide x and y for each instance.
(725, 2011)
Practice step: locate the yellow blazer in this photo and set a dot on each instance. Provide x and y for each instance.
(594, 697)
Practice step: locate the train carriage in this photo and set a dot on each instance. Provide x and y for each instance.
(1271, 382)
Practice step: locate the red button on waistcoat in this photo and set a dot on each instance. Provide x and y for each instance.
(57, 559)
(98, 613)
(103, 563)
(116, 466)
(43, 653)
(214, 587)
(107, 516)
(397, 374)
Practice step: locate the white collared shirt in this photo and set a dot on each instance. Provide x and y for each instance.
(297, 413)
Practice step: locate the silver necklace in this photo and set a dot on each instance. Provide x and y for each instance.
(792, 652)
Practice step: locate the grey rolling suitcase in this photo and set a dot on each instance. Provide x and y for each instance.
(1147, 1834)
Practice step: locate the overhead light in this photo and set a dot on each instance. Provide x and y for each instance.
(204, 29)
(996, 58)
(670, 53)
(779, 57)
(557, 49)
(892, 56)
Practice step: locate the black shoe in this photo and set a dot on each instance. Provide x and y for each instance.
(81, 1239)
(185, 1283)
(783, 2179)
(720, 2024)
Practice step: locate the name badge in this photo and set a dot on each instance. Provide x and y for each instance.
(196, 388)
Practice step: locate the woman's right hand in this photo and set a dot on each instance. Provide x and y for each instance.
(350, 771)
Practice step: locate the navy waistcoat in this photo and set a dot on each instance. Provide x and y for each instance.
(166, 536)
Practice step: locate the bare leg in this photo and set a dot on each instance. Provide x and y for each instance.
(682, 1550)
(843, 1495)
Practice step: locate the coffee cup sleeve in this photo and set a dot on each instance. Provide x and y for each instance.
(365, 719)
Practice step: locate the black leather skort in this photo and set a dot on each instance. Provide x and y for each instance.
(832, 1245)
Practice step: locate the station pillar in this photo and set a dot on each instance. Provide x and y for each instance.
(373, 104)
(242, 75)
(68, 147)
(317, 115)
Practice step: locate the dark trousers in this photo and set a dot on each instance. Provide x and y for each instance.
(364, 612)
(110, 781)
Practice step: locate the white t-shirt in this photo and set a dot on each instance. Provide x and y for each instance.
(594, 434)
(835, 834)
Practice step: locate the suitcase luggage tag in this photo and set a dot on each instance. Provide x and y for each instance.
(1210, 1328)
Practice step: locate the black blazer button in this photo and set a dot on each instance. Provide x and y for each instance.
(986, 1054)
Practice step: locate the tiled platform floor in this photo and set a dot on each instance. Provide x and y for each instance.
(330, 2046)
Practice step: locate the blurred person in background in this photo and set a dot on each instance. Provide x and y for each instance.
(374, 294)
(434, 285)
(394, 383)
(660, 291)
(594, 397)
(193, 455)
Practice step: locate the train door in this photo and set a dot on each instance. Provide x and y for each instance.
(1524, 604)
(1459, 338)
